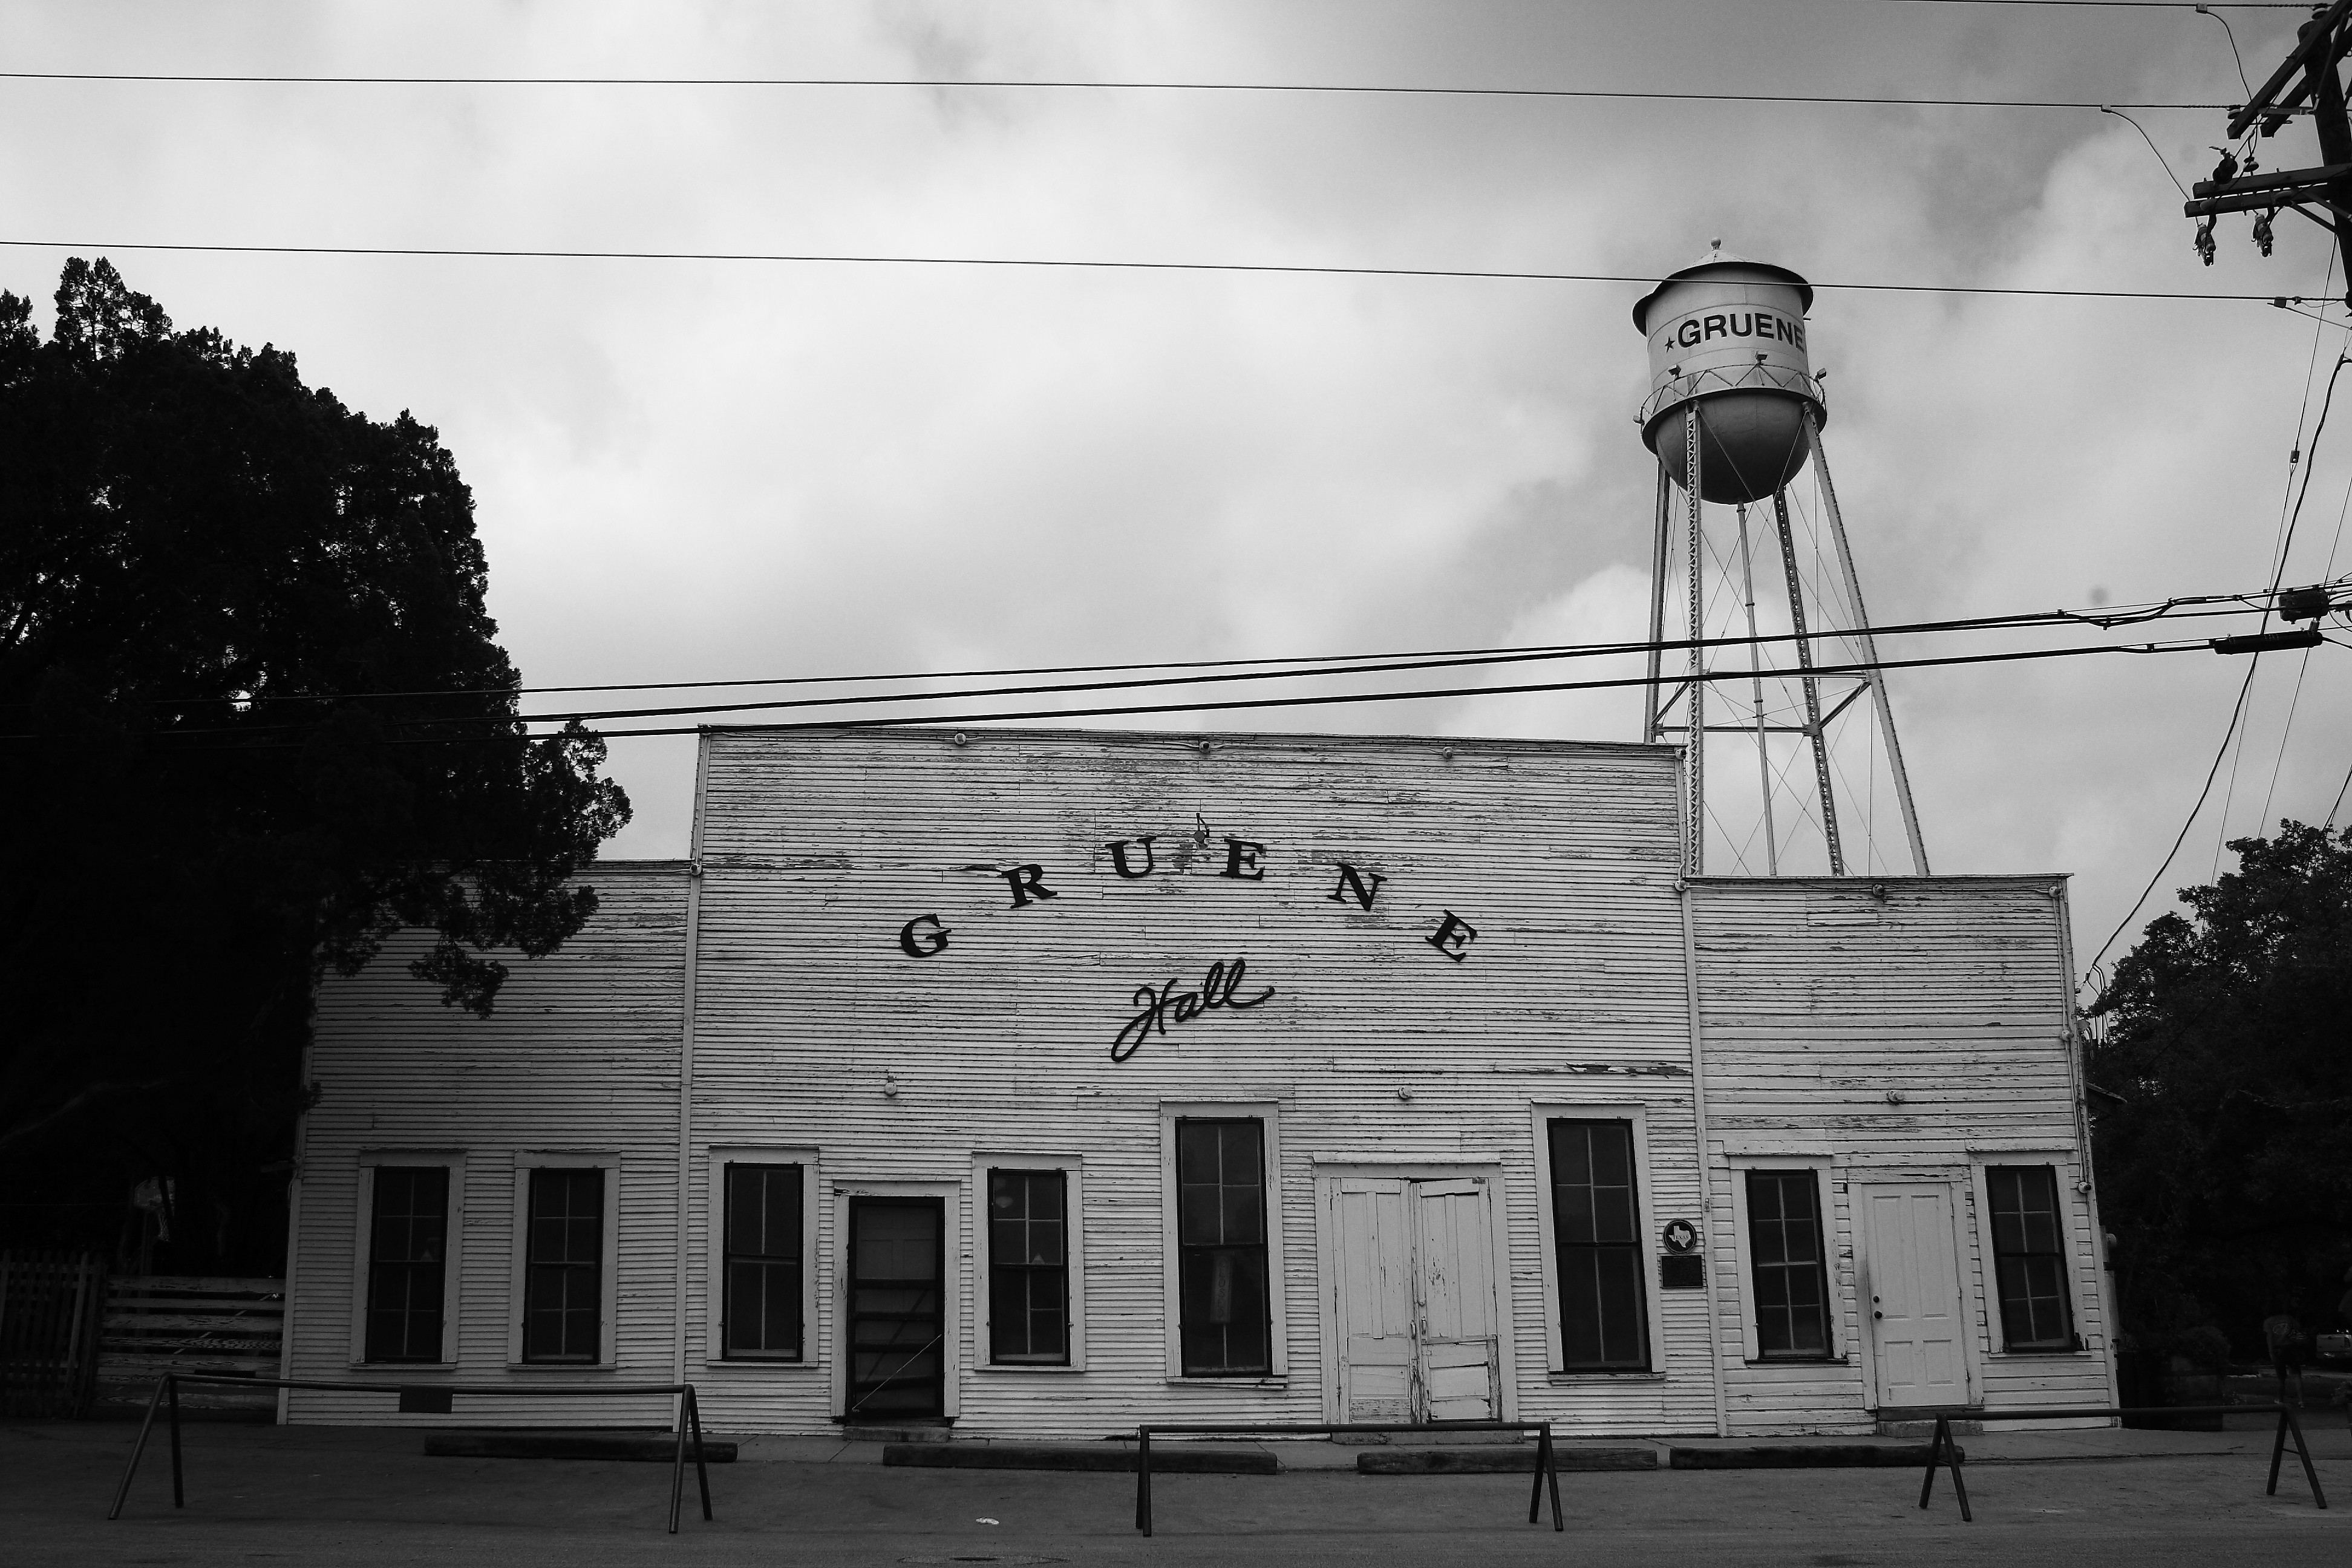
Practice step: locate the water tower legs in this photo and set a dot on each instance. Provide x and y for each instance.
(1868, 647)
(1756, 697)
(1811, 685)
(1694, 706)
(1650, 712)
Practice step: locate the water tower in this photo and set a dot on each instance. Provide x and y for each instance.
(1734, 413)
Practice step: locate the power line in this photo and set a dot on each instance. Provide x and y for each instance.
(1217, 672)
(1334, 90)
(1230, 704)
(2278, 576)
(2125, 4)
(1294, 269)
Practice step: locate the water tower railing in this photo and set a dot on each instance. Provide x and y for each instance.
(1745, 378)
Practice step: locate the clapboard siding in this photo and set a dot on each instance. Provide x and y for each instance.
(812, 1029)
(1819, 999)
(581, 1054)
(816, 850)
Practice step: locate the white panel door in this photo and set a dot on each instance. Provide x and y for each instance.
(1915, 1317)
(1460, 1377)
(1376, 1359)
(1416, 1310)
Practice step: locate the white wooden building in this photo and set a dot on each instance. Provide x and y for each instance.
(1045, 1082)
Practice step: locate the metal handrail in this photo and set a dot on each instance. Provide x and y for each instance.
(1941, 1450)
(1749, 377)
(1546, 1468)
(167, 1387)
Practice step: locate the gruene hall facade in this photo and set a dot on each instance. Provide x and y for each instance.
(1045, 1082)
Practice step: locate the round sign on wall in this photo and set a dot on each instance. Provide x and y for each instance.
(1680, 1236)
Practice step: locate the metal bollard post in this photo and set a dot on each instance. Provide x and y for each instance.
(172, 1394)
(122, 1492)
(1144, 1480)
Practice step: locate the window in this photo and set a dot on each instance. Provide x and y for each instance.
(1789, 1258)
(408, 1247)
(563, 1312)
(1028, 1268)
(1597, 1240)
(1226, 1326)
(761, 1263)
(2030, 1257)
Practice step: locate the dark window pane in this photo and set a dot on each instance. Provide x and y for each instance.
(562, 1307)
(1226, 1327)
(1596, 1217)
(408, 1245)
(2030, 1257)
(761, 1315)
(1789, 1263)
(1029, 1277)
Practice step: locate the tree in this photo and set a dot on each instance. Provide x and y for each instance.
(2223, 1086)
(255, 720)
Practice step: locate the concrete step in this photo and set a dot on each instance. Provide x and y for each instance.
(1804, 1456)
(661, 1447)
(1497, 1459)
(924, 1432)
(1911, 1426)
(1169, 1459)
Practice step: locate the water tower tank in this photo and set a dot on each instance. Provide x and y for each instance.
(1728, 336)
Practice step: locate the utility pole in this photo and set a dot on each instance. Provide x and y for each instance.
(2324, 194)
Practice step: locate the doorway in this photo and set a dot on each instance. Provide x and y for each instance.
(1415, 1316)
(1916, 1314)
(897, 1316)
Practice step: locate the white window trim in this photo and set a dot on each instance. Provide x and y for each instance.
(1075, 1248)
(608, 1336)
(2065, 1170)
(364, 1246)
(955, 1257)
(1329, 1172)
(1841, 1351)
(715, 1160)
(1277, 1260)
(1555, 1350)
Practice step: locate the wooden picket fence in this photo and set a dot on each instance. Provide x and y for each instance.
(49, 1332)
(176, 1322)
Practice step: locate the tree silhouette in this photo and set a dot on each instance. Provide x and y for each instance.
(255, 720)
(2223, 1096)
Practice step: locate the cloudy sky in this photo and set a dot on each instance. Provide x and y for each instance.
(704, 470)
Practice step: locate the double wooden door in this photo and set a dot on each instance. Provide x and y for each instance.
(1416, 1314)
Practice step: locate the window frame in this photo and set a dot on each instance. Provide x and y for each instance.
(1072, 1169)
(607, 1267)
(716, 1159)
(1540, 1117)
(364, 1246)
(1837, 1306)
(2060, 1164)
(1279, 1272)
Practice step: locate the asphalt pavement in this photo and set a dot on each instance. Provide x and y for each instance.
(370, 1497)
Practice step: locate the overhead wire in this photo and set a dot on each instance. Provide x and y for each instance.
(525, 253)
(1231, 704)
(2238, 59)
(2185, 606)
(1004, 84)
(2160, 158)
(2285, 547)
(2254, 664)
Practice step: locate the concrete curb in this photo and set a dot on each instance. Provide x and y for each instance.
(571, 1446)
(1189, 1461)
(1518, 1459)
(1807, 1457)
